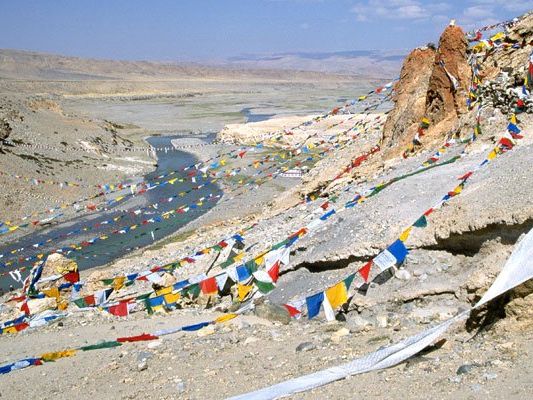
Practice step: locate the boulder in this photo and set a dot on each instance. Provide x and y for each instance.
(56, 265)
(37, 306)
(273, 313)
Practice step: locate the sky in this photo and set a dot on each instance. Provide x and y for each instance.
(217, 29)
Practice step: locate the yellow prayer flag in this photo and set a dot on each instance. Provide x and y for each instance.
(164, 291)
(405, 234)
(260, 260)
(498, 36)
(492, 155)
(337, 295)
(58, 354)
(239, 256)
(53, 292)
(224, 318)
(243, 290)
(171, 298)
(118, 282)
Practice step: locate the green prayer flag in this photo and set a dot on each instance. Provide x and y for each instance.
(348, 281)
(193, 291)
(81, 303)
(421, 222)
(264, 287)
(103, 345)
(252, 265)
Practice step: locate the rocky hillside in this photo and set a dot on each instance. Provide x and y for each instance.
(401, 223)
(427, 89)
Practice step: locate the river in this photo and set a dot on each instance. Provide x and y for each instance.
(103, 252)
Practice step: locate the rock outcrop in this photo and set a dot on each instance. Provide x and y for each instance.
(450, 79)
(433, 84)
(409, 97)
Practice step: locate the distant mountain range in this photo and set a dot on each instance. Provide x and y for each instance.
(17, 64)
(368, 63)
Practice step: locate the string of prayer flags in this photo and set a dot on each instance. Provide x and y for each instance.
(391, 256)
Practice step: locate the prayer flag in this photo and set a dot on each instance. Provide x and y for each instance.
(120, 310)
(337, 295)
(293, 311)
(313, 304)
(243, 273)
(421, 222)
(364, 271)
(209, 286)
(243, 290)
(274, 272)
(405, 234)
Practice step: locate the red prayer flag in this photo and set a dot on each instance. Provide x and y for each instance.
(364, 271)
(21, 326)
(72, 277)
(120, 310)
(25, 308)
(465, 176)
(274, 271)
(138, 338)
(293, 311)
(209, 285)
(506, 143)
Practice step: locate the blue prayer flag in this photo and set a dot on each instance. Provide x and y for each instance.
(313, 304)
(398, 250)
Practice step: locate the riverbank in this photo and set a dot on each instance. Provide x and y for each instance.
(116, 245)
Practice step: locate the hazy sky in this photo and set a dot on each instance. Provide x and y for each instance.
(200, 29)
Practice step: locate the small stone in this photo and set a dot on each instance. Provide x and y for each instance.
(490, 376)
(180, 387)
(337, 336)
(465, 369)
(155, 343)
(251, 339)
(358, 323)
(382, 321)
(144, 355)
(206, 331)
(402, 274)
(305, 346)
(476, 387)
(143, 365)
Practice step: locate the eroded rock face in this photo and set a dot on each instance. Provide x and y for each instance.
(444, 100)
(410, 96)
(433, 84)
